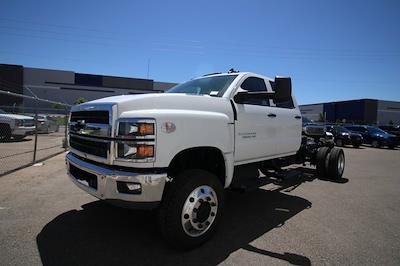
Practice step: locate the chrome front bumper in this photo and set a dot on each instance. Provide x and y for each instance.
(152, 184)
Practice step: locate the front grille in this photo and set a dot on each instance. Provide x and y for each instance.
(93, 147)
(98, 117)
(82, 175)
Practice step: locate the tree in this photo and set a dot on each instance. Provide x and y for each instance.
(79, 101)
(57, 106)
(321, 117)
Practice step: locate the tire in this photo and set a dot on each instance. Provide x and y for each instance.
(336, 164)
(320, 161)
(339, 143)
(375, 144)
(191, 208)
(392, 146)
(19, 137)
(5, 132)
(356, 145)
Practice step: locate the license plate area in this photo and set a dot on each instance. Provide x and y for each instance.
(83, 177)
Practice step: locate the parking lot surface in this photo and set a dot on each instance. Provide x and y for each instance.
(45, 219)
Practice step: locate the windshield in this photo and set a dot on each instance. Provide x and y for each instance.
(214, 86)
(2, 112)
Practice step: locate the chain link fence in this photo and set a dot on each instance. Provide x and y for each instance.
(30, 134)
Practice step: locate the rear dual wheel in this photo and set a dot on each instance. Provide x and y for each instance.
(330, 162)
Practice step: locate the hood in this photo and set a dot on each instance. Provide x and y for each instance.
(16, 116)
(172, 101)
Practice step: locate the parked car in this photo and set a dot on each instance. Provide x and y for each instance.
(392, 129)
(46, 124)
(343, 136)
(374, 136)
(15, 126)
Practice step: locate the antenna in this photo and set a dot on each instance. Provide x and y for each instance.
(148, 68)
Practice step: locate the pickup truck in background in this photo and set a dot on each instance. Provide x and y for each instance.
(15, 126)
(179, 150)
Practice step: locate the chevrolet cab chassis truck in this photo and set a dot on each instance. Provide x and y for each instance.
(177, 151)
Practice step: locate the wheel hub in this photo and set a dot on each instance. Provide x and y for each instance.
(199, 211)
(203, 212)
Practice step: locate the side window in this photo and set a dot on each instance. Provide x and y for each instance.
(282, 104)
(255, 84)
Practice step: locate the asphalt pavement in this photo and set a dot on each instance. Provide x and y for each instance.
(45, 219)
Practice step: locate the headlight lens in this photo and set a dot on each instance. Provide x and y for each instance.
(136, 129)
(19, 123)
(136, 139)
(135, 151)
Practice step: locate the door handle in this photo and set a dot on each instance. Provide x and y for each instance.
(297, 117)
(271, 115)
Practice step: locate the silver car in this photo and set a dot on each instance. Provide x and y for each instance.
(46, 124)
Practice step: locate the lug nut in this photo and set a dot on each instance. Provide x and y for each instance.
(213, 204)
(200, 226)
(207, 223)
(191, 199)
(186, 216)
(194, 210)
(208, 199)
(212, 214)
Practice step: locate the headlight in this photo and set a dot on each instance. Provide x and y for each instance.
(19, 123)
(135, 151)
(136, 139)
(136, 128)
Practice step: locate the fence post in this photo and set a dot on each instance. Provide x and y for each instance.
(65, 142)
(36, 130)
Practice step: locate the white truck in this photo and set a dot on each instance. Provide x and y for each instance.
(15, 126)
(177, 151)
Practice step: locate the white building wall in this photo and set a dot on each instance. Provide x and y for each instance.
(312, 111)
(388, 111)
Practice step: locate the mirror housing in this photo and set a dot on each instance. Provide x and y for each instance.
(282, 86)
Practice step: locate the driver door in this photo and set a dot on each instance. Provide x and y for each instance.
(256, 124)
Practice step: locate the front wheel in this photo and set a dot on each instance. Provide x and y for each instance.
(191, 208)
(5, 132)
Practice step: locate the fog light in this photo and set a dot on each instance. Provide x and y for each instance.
(129, 188)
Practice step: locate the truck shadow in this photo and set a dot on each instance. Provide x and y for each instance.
(104, 235)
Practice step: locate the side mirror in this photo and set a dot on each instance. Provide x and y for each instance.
(241, 97)
(283, 89)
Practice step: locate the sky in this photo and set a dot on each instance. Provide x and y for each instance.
(333, 50)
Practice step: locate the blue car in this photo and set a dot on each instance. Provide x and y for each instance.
(374, 136)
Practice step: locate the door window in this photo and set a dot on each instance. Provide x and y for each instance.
(253, 84)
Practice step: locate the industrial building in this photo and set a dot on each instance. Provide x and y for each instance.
(368, 111)
(66, 86)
